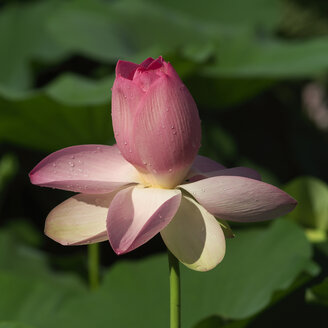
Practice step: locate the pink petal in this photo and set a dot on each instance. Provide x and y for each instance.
(202, 165)
(195, 237)
(79, 220)
(126, 97)
(147, 62)
(171, 72)
(137, 214)
(125, 69)
(88, 169)
(157, 63)
(240, 199)
(156, 123)
(166, 132)
(235, 171)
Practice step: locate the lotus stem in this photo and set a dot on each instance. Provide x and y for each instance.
(93, 265)
(175, 298)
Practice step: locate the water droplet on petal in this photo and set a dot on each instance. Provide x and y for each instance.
(71, 164)
(72, 157)
(172, 127)
(54, 164)
(170, 170)
(174, 132)
(125, 143)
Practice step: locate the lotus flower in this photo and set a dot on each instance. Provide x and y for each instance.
(152, 181)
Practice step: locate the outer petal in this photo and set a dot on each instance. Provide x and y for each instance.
(195, 237)
(235, 171)
(166, 132)
(204, 164)
(240, 199)
(79, 220)
(126, 96)
(137, 214)
(88, 169)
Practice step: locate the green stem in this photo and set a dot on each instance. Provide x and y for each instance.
(174, 271)
(93, 265)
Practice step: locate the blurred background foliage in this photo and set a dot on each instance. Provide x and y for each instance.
(258, 72)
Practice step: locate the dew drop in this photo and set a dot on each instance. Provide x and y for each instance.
(172, 127)
(125, 143)
(71, 164)
(72, 157)
(174, 132)
(130, 151)
(170, 170)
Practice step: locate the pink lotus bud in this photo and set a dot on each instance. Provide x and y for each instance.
(155, 120)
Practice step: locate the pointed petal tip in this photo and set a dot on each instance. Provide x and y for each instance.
(118, 252)
(291, 202)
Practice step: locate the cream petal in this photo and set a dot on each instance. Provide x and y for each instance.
(79, 220)
(195, 237)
